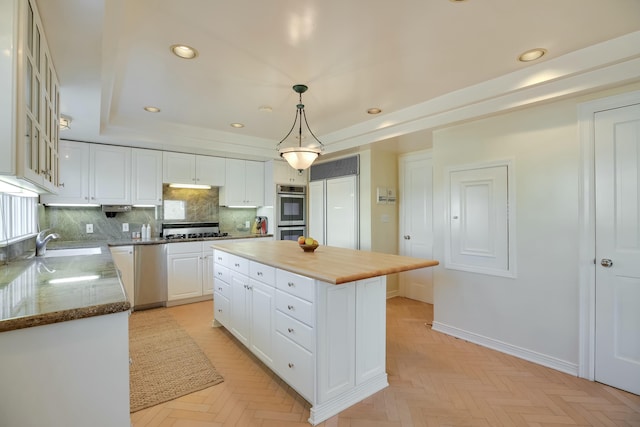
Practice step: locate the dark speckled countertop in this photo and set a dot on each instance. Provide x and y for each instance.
(44, 290)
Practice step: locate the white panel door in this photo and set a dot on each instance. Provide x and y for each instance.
(478, 236)
(316, 211)
(416, 224)
(617, 153)
(146, 177)
(110, 174)
(342, 212)
(263, 308)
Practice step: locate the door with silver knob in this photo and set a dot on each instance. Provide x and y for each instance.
(617, 288)
(416, 223)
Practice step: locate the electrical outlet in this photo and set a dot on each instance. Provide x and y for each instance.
(247, 224)
(89, 228)
(125, 226)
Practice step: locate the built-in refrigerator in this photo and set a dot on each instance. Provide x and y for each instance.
(333, 203)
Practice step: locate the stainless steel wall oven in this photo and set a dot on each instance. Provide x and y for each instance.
(291, 211)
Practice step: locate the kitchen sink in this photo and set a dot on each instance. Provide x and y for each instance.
(51, 253)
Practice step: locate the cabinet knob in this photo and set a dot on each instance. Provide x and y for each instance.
(291, 284)
(61, 184)
(291, 365)
(290, 330)
(237, 265)
(220, 289)
(290, 307)
(219, 310)
(259, 273)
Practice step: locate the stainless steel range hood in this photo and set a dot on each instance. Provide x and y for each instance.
(111, 210)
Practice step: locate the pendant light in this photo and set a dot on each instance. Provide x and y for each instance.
(300, 157)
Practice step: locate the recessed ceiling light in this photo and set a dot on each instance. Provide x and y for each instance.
(457, 1)
(237, 125)
(265, 108)
(151, 109)
(532, 54)
(184, 51)
(374, 111)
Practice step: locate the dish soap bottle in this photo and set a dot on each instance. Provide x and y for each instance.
(143, 231)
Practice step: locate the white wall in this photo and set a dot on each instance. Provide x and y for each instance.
(537, 311)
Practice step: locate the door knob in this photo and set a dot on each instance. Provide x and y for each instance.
(606, 262)
(407, 237)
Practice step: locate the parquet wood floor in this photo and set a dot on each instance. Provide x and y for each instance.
(435, 380)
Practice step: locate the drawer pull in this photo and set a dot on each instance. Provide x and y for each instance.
(237, 265)
(219, 273)
(220, 289)
(219, 310)
(290, 330)
(219, 258)
(291, 284)
(291, 365)
(290, 307)
(259, 273)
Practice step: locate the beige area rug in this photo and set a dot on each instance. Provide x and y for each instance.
(165, 361)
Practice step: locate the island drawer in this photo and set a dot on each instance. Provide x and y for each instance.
(294, 364)
(221, 311)
(221, 288)
(296, 331)
(295, 284)
(241, 265)
(221, 273)
(295, 307)
(262, 273)
(220, 257)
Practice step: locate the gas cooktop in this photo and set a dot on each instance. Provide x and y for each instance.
(191, 230)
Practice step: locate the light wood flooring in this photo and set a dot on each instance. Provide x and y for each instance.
(435, 380)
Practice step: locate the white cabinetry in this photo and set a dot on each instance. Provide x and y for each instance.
(189, 275)
(109, 174)
(283, 173)
(244, 184)
(30, 103)
(123, 259)
(181, 168)
(326, 341)
(146, 177)
(74, 175)
(244, 302)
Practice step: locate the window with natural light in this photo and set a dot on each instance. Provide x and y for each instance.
(18, 217)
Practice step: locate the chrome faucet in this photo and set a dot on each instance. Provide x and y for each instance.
(41, 241)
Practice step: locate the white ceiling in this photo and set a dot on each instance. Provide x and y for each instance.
(425, 63)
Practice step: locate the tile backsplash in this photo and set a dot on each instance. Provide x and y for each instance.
(179, 205)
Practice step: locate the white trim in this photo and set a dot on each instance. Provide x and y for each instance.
(587, 248)
(393, 294)
(520, 352)
(511, 271)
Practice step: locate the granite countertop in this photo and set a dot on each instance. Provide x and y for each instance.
(328, 264)
(45, 290)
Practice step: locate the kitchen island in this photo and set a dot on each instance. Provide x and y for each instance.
(317, 319)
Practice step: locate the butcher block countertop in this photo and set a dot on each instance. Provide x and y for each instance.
(327, 263)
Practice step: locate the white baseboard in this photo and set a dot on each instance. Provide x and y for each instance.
(392, 294)
(522, 353)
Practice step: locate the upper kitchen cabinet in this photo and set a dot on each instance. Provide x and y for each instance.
(285, 174)
(180, 168)
(74, 175)
(244, 185)
(29, 107)
(146, 177)
(110, 174)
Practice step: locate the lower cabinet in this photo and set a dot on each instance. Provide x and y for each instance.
(123, 259)
(327, 341)
(189, 271)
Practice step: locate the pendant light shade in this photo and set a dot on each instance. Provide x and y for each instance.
(300, 157)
